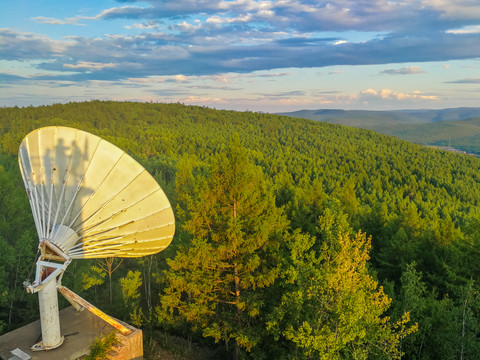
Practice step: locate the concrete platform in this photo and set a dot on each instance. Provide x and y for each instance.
(80, 330)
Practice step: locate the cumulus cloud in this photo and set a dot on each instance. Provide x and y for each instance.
(218, 37)
(229, 20)
(454, 9)
(389, 94)
(403, 71)
(202, 100)
(149, 25)
(89, 65)
(199, 52)
(160, 9)
(222, 78)
(305, 15)
(24, 45)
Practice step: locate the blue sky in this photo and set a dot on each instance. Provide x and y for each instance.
(243, 54)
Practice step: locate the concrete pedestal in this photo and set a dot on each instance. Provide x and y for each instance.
(80, 330)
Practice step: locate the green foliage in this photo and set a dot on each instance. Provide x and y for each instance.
(95, 276)
(100, 348)
(278, 200)
(130, 285)
(333, 308)
(18, 250)
(236, 229)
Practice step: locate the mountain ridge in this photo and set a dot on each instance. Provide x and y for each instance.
(422, 126)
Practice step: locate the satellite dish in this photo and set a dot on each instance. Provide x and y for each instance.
(89, 199)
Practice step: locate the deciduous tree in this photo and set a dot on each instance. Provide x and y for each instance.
(332, 307)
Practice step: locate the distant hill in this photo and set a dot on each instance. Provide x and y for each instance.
(461, 134)
(459, 127)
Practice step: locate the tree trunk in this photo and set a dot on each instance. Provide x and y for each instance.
(463, 328)
(237, 351)
(239, 311)
(10, 312)
(147, 275)
(110, 286)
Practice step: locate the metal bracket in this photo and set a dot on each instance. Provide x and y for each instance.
(48, 276)
(72, 297)
(46, 271)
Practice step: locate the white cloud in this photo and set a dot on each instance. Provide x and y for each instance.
(54, 21)
(90, 65)
(24, 45)
(179, 78)
(186, 27)
(149, 25)
(189, 44)
(228, 20)
(388, 94)
(457, 9)
(123, 11)
(409, 70)
(202, 100)
(473, 29)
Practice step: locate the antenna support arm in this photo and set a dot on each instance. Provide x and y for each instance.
(71, 296)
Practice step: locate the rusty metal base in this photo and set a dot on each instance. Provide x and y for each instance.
(40, 347)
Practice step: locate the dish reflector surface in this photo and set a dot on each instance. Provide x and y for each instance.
(90, 198)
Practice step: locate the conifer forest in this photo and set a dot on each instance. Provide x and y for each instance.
(295, 239)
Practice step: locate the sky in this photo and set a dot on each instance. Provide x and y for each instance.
(269, 56)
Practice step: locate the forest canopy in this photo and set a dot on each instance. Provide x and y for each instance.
(295, 239)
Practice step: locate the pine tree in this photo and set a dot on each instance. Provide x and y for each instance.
(216, 283)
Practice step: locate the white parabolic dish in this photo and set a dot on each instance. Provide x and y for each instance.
(91, 199)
